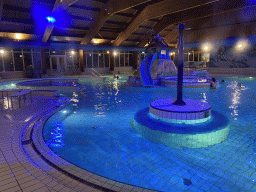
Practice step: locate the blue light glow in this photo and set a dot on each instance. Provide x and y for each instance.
(51, 19)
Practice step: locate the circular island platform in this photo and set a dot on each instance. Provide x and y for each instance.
(194, 125)
(188, 81)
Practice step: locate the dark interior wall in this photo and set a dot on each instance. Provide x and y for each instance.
(233, 57)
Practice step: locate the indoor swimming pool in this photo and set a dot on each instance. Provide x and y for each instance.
(94, 133)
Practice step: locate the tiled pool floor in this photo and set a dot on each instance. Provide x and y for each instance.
(22, 169)
(17, 173)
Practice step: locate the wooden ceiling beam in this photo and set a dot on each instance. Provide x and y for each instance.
(110, 8)
(148, 37)
(60, 5)
(156, 10)
(207, 10)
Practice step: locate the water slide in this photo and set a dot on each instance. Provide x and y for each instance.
(145, 66)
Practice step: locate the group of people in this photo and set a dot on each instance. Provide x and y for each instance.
(116, 76)
(213, 83)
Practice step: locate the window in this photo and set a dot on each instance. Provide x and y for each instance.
(121, 60)
(54, 62)
(85, 58)
(8, 61)
(18, 60)
(70, 59)
(101, 64)
(89, 59)
(95, 60)
(76, 60)
(185, 57)
(196, 57)
(126, 59)
(47, 60)
(199, 57)
(190, 55)
(131, 59)
(106, 59)
(27, 60)
(116, 60)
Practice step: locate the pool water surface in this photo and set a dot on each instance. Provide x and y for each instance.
(94, 133)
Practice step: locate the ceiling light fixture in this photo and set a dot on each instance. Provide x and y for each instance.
(18, 36)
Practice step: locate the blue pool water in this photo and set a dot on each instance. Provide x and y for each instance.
(94, 132)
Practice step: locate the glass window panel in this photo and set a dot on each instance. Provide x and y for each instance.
(116, 60)
(101, 64)
(89, 60)
(47, 60)
(8, 61)
(1, 62)
(121, 60)
(95, 60)
(27, 60)
(190, 57)
(76, 61)
(131, 60)
(85, 58)
(185, 57)
(18, 60)
(200, 57)
(196, 57)
(54, 63)
(126, 59)
(106, 60)
(62, 62)
(69, 59)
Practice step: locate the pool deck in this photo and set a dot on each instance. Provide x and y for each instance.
(22, 169)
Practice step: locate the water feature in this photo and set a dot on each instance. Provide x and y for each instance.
(94, 133)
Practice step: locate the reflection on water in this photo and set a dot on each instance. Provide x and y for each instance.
(236, 97)
(74, 98)
(204, 98)
(235, 103)
(56, 138)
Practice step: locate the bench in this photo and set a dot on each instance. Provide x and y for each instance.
(23, 93)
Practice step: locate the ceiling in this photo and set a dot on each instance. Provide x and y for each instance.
(125, 22)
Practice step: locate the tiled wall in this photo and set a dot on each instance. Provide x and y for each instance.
(179, 141)
(188, 118)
